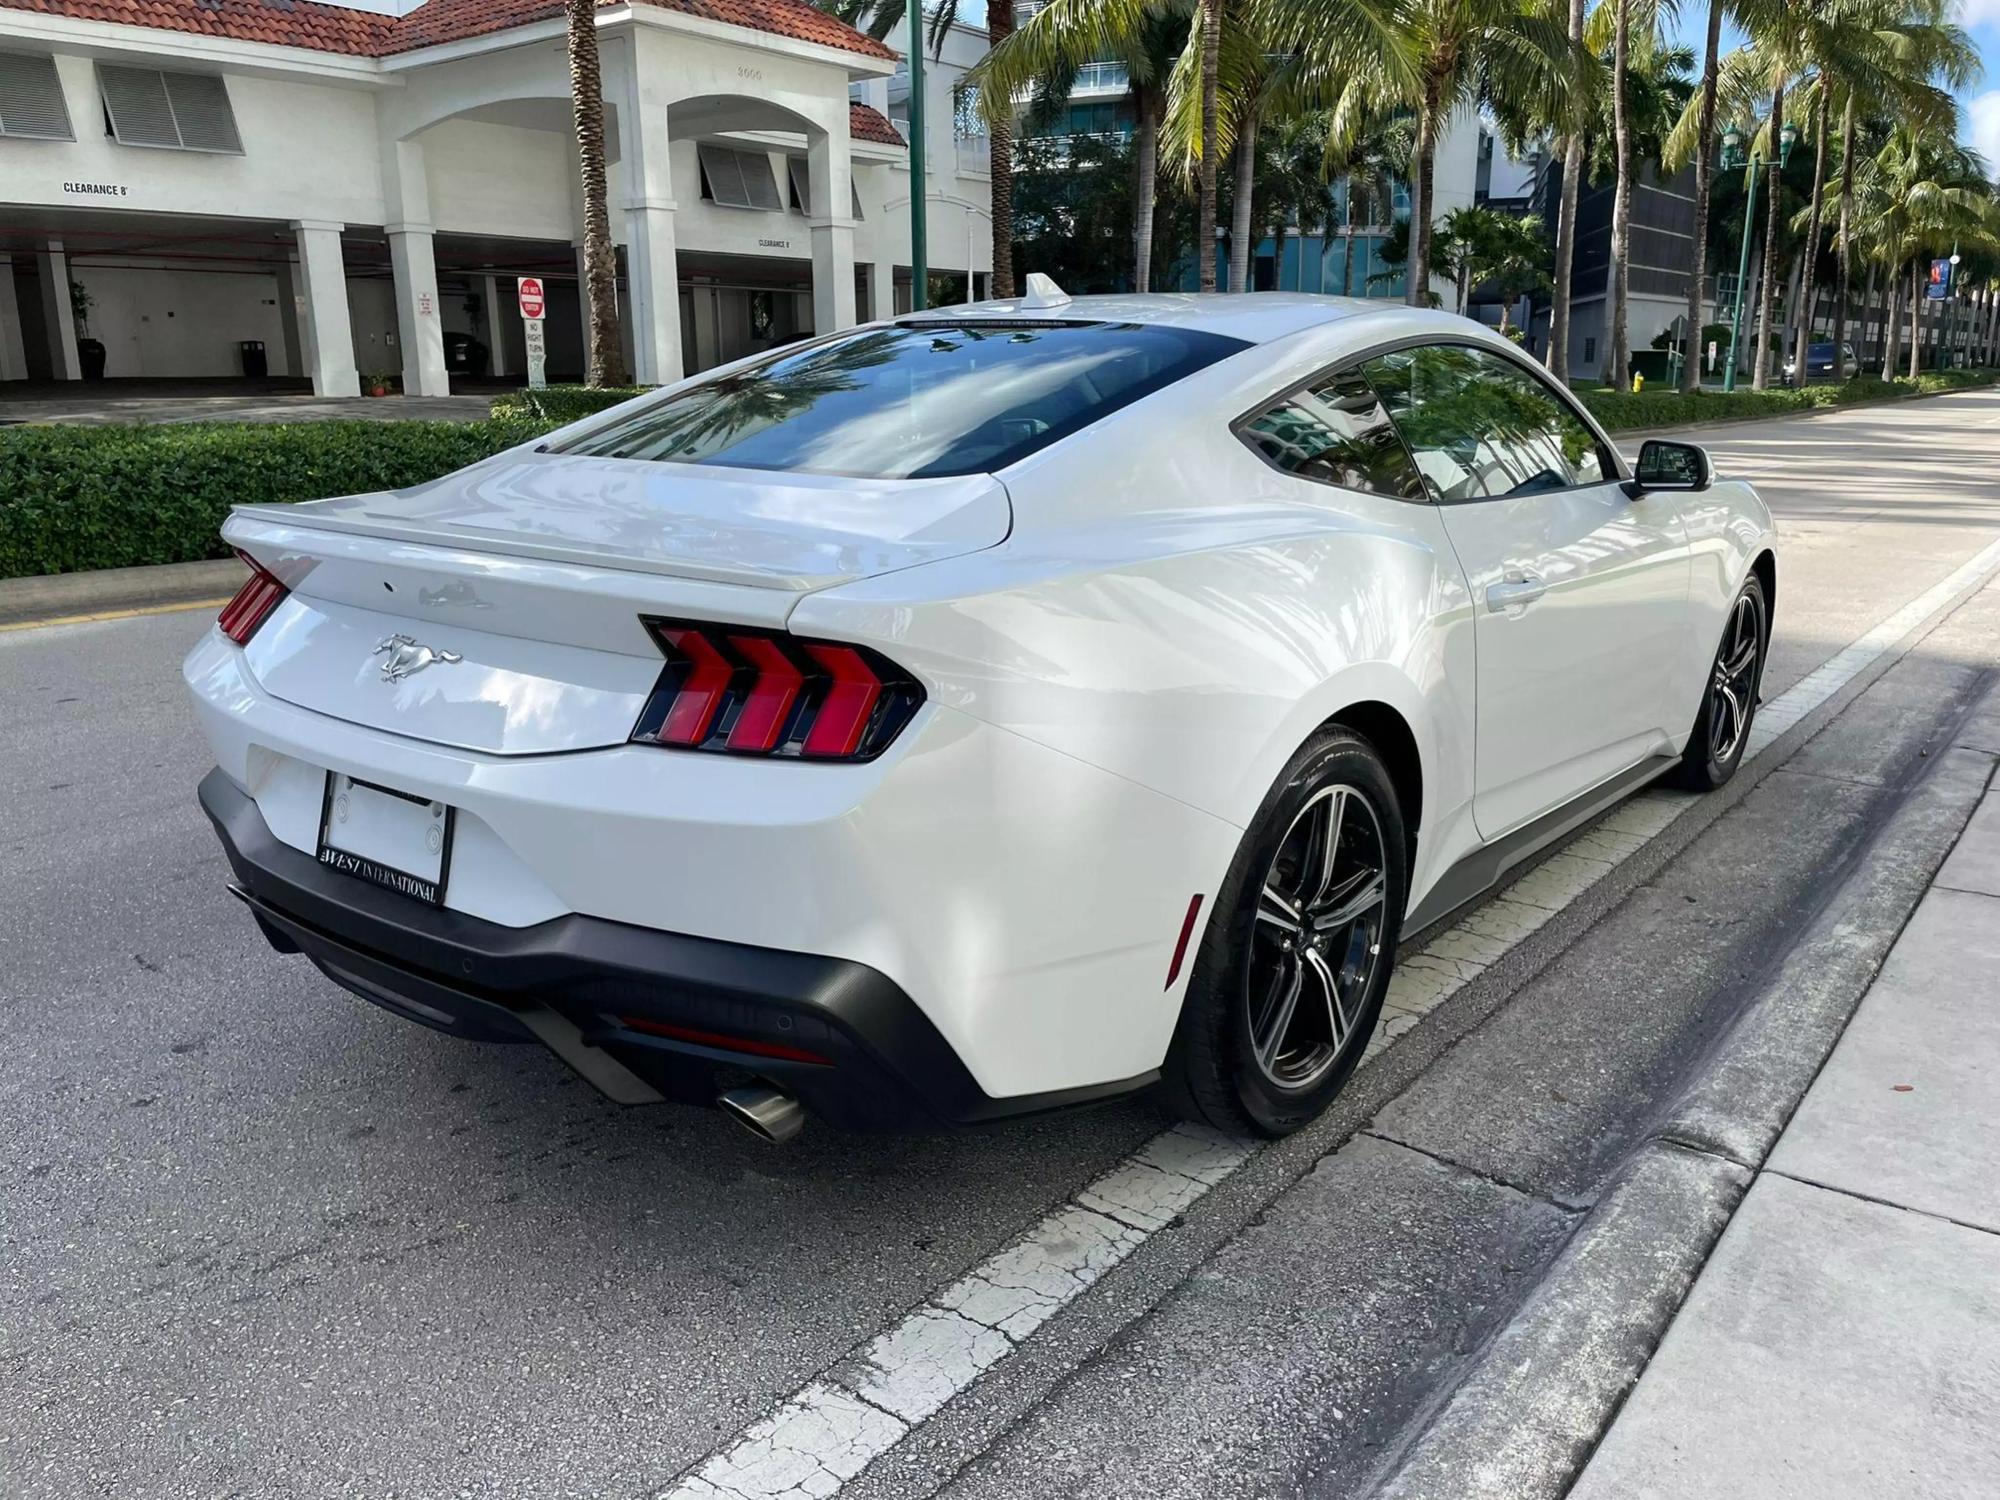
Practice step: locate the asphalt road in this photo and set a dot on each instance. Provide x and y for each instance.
(257, 1238)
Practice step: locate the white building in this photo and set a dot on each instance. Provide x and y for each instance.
(355, 185)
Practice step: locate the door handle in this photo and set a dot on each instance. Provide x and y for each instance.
(1516, 590)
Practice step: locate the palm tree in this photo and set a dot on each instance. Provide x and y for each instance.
(1044, 55)
(1920, 194)
(1507, 53)
(604, 354)
(1704, 187)
(1619, 359)
(1572, 169)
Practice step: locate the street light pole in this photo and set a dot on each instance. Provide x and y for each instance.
(1732, 159)
(919, 187)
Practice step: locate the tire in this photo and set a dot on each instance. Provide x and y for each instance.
(1224, 1067)
(1729, 702)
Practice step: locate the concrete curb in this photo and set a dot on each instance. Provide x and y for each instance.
(1621, 433)
(53, 597)
(1524, 1421)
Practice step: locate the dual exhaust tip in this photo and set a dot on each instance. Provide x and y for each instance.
(771, 1115)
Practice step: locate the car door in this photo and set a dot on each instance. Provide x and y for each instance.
(1579, 591)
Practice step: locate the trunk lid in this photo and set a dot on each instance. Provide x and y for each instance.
(527, 578)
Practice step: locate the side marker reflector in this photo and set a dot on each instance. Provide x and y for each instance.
(1187, 931)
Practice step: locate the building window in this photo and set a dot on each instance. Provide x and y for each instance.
(1589, 352)
(174, 111)
(737, 179)
(31, 98)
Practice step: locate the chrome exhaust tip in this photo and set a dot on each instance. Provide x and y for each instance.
(766, 1113)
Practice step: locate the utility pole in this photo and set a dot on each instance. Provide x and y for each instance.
(920, 275)
(1733, 160)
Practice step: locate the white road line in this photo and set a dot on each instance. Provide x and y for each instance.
(836, 1425)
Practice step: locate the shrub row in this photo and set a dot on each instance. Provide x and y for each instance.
(559, 404)
(109, 497)
(1622, 411)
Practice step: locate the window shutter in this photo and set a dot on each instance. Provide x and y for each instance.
(725, 176)
(855, 193)
(801, 184)
(178, 111)
(201, 109)
(136, 100)
(761, 186)
(31, 98)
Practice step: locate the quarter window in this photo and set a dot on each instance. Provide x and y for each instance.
(1481, 426)
(1336, 432)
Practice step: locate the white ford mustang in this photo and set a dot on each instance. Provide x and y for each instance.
(995, 710)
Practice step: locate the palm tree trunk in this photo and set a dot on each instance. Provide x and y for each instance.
(1278, 237)
(1704, 182)
(1620, 361)
(604, 354)
(1572, 168)
(1417, 291)
(1347, 261)
(1000, 168)
(1811, 251)
(1842, 261)
(1148, 160)
(1892, 321)
(1240, 203)
(1760, 377)
(1211, 66)
(1916, 319)
(1862, 339)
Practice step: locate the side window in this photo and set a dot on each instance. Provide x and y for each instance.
(1337, 433)
(1482, 426)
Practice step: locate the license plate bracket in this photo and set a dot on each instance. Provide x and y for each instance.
(388, 838)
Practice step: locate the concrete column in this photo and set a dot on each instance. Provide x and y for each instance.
(418, 324)
(881, 290)
(828, 158)
(329, 333)
(288, 318)
(496, 327)
(652, 263)
(57, 318)
(406, 200)
(13, 348)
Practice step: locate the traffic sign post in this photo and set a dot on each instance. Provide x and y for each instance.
(533, 305)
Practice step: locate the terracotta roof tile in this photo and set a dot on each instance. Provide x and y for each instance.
(866, 124)
(333, 28)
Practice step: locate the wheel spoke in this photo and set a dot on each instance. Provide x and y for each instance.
(1741, 663)
(1268, 1036)
(1336, 1014)
(1358, 895)
(1324, 850)
(1277, 910)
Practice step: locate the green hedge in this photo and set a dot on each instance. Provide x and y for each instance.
(107, 497)
(1622, 411)
(560, 404)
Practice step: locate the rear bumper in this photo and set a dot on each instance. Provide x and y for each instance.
(881, 1063)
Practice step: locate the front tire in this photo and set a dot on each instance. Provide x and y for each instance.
(1289, 978)
(1729, 705)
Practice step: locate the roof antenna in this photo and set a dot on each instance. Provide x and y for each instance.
(1043, 292)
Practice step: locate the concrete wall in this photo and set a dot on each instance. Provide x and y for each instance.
(165, 320)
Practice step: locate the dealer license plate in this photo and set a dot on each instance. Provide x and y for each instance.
(391, 838)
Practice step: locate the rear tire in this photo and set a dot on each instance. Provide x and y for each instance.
(1294, 960)
(1729, 703)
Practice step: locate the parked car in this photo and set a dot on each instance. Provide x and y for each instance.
(990, 711)
(464, 354)
(1819, 363)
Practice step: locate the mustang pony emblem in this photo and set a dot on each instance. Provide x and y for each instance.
(406, 657)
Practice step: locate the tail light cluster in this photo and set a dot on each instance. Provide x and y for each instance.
(764, 692)
(261, 593)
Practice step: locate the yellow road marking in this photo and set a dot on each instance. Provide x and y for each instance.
(117, 614)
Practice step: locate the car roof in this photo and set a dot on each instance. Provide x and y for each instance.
(1254, 317)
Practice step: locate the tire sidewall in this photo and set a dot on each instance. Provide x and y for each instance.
(1216, 990)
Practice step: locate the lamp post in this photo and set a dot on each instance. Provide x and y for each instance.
(919, 187)
(1734, 159)
(1947, 352)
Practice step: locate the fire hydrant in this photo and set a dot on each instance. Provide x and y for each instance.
(1638, 382)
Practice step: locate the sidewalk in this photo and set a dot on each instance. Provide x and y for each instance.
(1844, 1338)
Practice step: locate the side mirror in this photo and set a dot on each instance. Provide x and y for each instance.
(1665, 465)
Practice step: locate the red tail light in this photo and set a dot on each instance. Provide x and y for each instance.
(253, 603)
(763, 692)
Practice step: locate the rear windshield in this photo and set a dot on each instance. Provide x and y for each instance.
(917, 400)
(1819, 351)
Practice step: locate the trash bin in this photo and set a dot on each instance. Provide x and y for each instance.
(255, 366)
